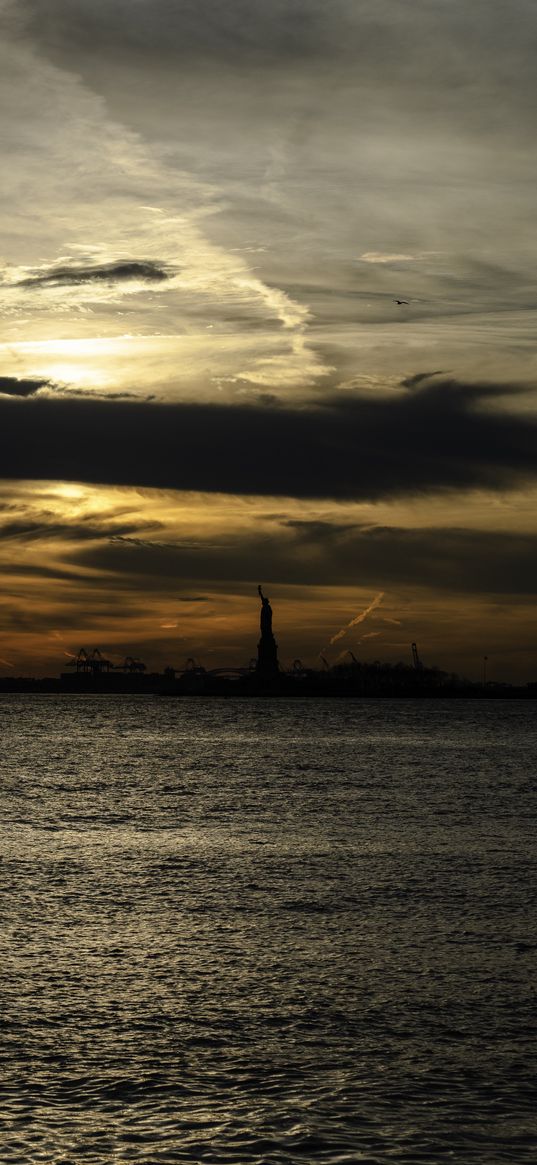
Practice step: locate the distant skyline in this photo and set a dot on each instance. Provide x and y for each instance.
(208, 214)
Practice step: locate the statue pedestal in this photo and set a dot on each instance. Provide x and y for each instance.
(268, 667)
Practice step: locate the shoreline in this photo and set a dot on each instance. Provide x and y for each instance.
(288, 688)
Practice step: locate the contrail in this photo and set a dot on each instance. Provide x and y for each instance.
(358, 618)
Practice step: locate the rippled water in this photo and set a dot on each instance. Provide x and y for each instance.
(267, 931)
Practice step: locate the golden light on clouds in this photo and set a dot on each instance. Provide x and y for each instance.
(238, 238)
(165, 576)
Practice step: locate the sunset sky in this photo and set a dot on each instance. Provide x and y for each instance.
(208, 211)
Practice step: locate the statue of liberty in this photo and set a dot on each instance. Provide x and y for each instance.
(266, 614)
(268, 668)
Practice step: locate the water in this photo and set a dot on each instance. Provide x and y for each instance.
(267, 931)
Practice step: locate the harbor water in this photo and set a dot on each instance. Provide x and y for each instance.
(267, 931)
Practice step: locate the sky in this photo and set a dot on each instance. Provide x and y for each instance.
(208, 212)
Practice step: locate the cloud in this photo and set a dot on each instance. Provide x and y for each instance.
(381, 257)
(191, 544)
(22, 386)
(264, 170)
(41, 573)
(419, 378)
(194, 33)
(445, 435)
(449, 561)
(47, 528)
(411, 46)
(67, 390)
(73, 275)
(86, 177)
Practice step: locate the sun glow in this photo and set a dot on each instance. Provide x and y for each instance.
(74, 374)
(72, 493)
(77, 362)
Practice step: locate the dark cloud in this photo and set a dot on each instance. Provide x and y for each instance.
(444, 435)
(442, 50)
(23, 386)
(453, 560)
(191, 544)
(420, 378)
(89, 530)
(81, 612)
(97, 273)
(25, 571)
(68, 391)
(26, 386)
(195, 30)
(376, 32)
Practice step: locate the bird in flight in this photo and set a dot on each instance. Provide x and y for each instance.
(401, 301)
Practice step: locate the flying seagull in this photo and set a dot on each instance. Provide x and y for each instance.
(401, 301)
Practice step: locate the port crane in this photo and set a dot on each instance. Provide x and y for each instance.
(131, 664)
(92, 662)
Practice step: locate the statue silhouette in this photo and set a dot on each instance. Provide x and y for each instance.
(266, 614)
(268, 667)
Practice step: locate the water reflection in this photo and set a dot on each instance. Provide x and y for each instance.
(267, 934)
